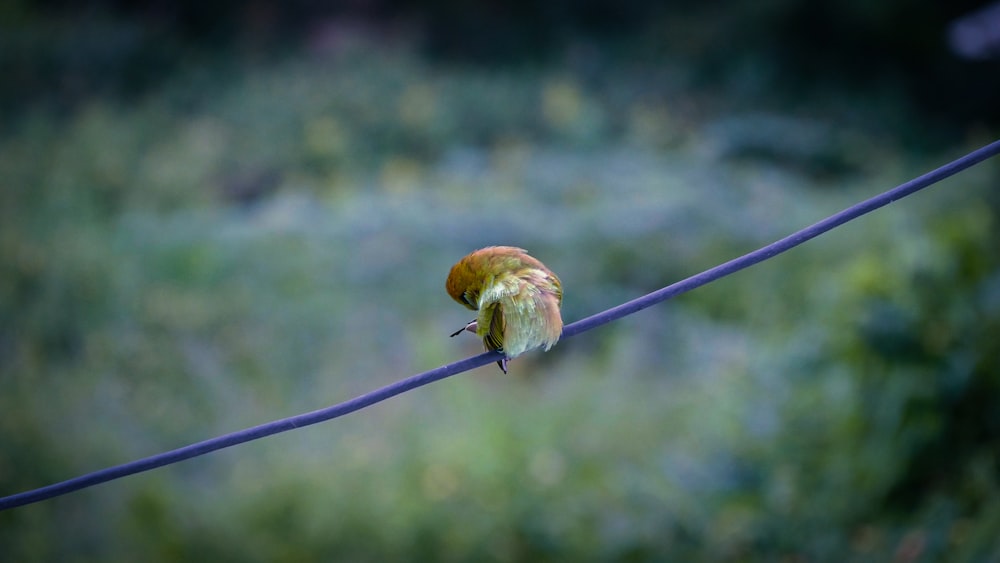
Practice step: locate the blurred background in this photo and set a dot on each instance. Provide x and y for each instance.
(216, 215)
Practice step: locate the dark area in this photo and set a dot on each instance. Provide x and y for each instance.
(72, 49)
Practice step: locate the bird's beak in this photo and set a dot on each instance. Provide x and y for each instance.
(471, 327)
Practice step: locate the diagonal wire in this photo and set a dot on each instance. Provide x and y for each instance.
(427, 377)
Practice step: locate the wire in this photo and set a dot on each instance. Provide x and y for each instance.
(570, 330)
(787, 243)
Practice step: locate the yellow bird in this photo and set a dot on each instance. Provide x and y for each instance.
(517, 297)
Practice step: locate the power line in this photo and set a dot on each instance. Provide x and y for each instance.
(570, 330)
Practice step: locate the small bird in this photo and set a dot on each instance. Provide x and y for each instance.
(517, 297)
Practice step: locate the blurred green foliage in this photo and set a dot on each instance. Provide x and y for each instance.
(252, 239)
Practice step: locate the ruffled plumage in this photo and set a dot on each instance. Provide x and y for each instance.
(517, 297)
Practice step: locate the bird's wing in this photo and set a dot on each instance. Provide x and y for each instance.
(492, 326)
(532, 319)
(492, 321)
(520, 311)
